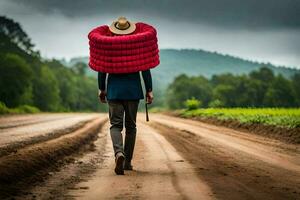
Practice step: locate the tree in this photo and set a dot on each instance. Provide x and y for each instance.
(13, 31)
(225, 79)
(226, 94)
(296, 87)
(80, 68)
(66, 83)
(176, 92)
(264, 74)
(46, 90)
(242, 91)
(184, 87)
(261, 80)
(280, 93)
(87, 94)
(15, 80)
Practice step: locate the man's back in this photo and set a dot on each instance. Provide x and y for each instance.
(125, 86)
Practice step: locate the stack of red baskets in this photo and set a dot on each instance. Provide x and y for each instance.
(112, 53)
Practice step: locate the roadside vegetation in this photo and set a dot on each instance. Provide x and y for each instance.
(18, 110)
(281, 117)
(277, 123)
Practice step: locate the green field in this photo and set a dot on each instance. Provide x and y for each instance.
(281, 117)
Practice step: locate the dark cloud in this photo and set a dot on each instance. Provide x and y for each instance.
(249, 14)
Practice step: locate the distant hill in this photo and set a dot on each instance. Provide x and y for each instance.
(199, 62)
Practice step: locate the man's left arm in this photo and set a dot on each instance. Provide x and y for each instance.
(101, 85)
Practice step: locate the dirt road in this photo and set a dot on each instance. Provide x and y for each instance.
(179, 159)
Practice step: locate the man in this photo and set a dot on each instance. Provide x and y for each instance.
(123, 93)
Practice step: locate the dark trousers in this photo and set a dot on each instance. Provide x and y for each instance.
(117, 109)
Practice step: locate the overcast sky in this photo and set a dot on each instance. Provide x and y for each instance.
(260, 30)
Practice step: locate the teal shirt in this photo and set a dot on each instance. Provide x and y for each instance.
(125, 86)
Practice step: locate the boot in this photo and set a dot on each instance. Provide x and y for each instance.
(127, 165)
(119, 163)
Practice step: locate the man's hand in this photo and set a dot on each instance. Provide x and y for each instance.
(102, 96)
(149, 97)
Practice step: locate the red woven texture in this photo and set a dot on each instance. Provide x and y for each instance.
(123, 53)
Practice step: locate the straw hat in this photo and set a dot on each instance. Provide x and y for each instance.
(122, 26)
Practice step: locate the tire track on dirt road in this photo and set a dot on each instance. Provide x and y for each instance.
(78, 168)
(49, 126)
(13, 121)
(223, 160)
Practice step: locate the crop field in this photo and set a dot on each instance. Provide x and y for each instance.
(281, 117)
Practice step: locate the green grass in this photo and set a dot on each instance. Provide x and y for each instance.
(18, 110)
(281, 117)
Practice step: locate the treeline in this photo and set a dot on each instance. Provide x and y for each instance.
(260, 88)
(27, 79)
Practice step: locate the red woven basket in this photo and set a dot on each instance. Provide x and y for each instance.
(112, 53)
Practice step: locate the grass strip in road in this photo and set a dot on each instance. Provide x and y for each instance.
(29, 161)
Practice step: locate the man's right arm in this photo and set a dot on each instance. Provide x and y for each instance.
(148, 85)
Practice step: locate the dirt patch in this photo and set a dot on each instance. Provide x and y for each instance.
(289, 135)
(232, 174)
(27, 165)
